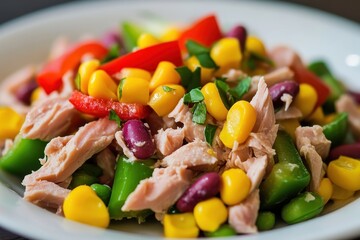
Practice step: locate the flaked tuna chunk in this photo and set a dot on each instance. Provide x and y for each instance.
(46, 195)
(196, 153)
(160, 191)
(182, 114)
(291, 113)
(313, 146)
(48, 119)
(255, 169)
(156, 123)
(106, 160)
(242, 217)
(121, 142)
(169, 140)
(66, 154)
(347, 104)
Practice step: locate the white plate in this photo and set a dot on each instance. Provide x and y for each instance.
(314, 34)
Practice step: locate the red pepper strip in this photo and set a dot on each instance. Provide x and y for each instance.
(50, 76)
(205, 31)
(303, 75)
(146, 58)
(101, 107)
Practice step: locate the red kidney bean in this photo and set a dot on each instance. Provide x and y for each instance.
(240, 33)
(349, 150)
(138, 139)
(356, 96)
(277, 90)
(206, 186)
(110, 38)
(23, 93)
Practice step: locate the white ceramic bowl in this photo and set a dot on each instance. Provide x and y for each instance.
(312, 33)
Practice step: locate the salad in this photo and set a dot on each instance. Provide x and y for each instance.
(205, 130)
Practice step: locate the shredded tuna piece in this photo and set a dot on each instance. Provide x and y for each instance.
(255, 169)
(156, 123)
(291, 113)
(106, 160)
(313, 145)
(49, 119)
(182, 114)
(169, 140)
(197, 153)
(233, 75)
(160, 191)
(127, 152)
(66, 154)
(347, 104)
(46, 194)
(7, 144)
(242, 217)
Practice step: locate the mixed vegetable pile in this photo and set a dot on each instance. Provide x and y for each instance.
(208, 131)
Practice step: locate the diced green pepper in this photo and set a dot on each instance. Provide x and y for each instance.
(103, 192)
(127, 176)
(288, 177)
(265, 221)
(223, 231)
(23, 157)
(130, 34)
(336, 130)
(82, 178)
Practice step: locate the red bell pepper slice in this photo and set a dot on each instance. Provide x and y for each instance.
(101, 107)
(50, 76)
(146, 58)
(204, 31)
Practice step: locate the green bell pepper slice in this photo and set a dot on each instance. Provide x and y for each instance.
(23, 157)
(128, 175)
(130, 34)
(288, 176)
(336, 130)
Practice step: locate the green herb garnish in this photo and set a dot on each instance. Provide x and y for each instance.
(201, 53)
(210, 133)
(199, 113)
(114, 117)
(167, 88)
(120, 88)
(194, 96)
(189, 79)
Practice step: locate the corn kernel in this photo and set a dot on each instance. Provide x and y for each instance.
(317, 117)
(11, 123)
(306, 100)
(340, 193)
(210, 214)
(325, 189)
(329, 118)
(206, 73)
(255, 45)
(290, 125)
(235, 186)
(345, 172)
(146, 40)
(165, 73)
(83, 205)
(226, 53)
(240, 120)
(85, 71)
(181, 225)
(165, 97)
(135, 72)
(170, 34)
(133, 90)
(35, 95)
(102, 86)
(213, 102)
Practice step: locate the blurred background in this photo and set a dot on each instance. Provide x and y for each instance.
(11, 9)
(349, 9)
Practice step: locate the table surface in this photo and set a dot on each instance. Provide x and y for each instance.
(12, 9)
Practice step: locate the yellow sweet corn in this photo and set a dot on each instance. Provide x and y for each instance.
(206, 73)
(340, 193)
(306, 100)
(329, 118)
(11, 123)
(210, 214)
(240, 120)
(85, 71)
(170, 34)
(317, 117)
(213, 102)
(180, 225)
(165, 73)
(83, 205)
(146, 40)
(226, 53)
(135, 72)
(345, 172)
(255, 45)
(325, 189)
(235, 186)
(165, 97)
(102, 86)
(133, 90)
(290, 125)
(35, 94)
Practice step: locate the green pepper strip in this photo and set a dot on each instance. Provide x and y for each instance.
(127, 177)
(288, 177)
(336, 130)
(23, 157)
